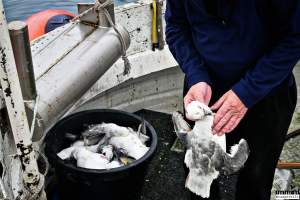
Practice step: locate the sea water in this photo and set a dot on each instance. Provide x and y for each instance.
(21, 9)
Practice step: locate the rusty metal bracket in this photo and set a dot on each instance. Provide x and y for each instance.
(95, 17)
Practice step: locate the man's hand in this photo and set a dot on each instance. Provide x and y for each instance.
(199, 92)
(231, 111)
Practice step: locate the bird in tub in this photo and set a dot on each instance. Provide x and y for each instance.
(106, 145)
(130, 141)
(206, 155)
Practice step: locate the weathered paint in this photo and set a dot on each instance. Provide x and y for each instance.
(16, 109)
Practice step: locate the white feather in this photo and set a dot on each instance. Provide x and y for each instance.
(131, 144)
(197, 110)
(107, 151)
(114, 164)
(78, 143)
(200, 185)
(90, 160)
(66, 153)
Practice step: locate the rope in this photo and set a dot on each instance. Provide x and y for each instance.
(47, 165)
(35, 108)
(101, 6)
(97, 5)
(34, 115)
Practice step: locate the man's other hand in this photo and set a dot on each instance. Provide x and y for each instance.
(231, 111)
(199, 92)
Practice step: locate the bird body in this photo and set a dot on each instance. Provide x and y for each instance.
(131, 144)
(106, 145)
(90, 160)
(206, 155)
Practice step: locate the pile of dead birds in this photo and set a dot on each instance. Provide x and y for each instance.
(106, 146)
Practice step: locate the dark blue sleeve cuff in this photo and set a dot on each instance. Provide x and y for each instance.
(197, 77)
(246, 93)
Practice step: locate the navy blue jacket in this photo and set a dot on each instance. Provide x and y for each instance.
(250, 46)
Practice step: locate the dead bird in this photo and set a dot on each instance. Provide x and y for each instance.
(90, 136)
(105, 139)
(107, 151)
(123, 138)
(122, 156)
(95, 133)
(206, 155)
(90, 160)
(68, 152)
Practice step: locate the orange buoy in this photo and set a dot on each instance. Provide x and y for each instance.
(45, 21)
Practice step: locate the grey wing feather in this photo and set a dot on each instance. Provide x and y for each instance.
(235, 161)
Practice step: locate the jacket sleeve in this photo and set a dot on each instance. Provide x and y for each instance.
(179, 39)
(277, 64)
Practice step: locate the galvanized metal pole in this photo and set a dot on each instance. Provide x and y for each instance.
(16, 110)
(19, 38)
(18, 32)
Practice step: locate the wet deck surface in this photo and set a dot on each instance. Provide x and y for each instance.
(165, 178)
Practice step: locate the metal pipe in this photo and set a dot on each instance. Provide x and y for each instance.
(18, 32)
(71, 77)
(16, 110)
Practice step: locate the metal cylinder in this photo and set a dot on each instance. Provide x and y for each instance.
(70, 78)
(18, 32)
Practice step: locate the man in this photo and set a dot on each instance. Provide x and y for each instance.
(238, 57)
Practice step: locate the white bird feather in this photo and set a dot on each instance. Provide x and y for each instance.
(90, 160)
(206, 154)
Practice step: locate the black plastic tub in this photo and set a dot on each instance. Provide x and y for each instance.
(74, 183)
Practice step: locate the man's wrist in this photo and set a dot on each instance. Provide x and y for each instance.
(198, 78)
(242, 93)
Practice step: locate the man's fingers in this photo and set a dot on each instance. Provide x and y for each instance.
(207, 95)
(207, 98)
(221, 120)
(230, 125)
(239, 118)
(186, 101)
(219, 103)
(220, 113)
(237, 121)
